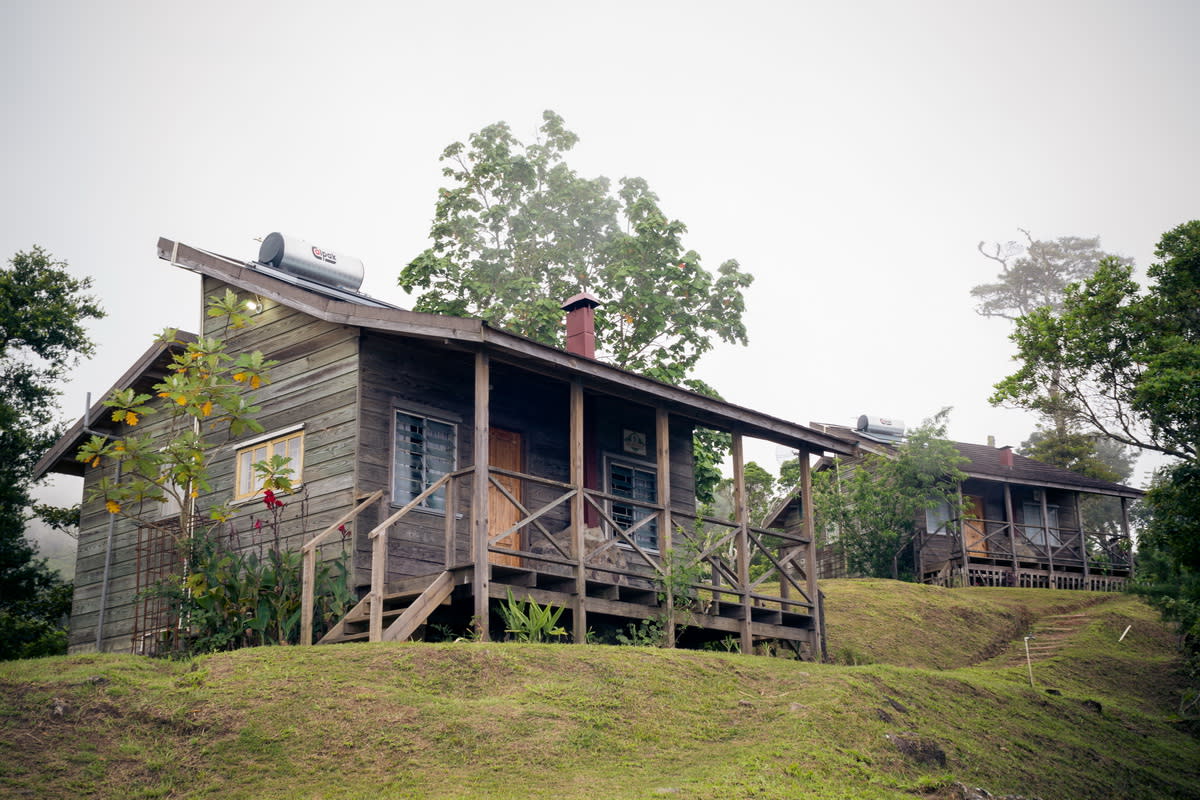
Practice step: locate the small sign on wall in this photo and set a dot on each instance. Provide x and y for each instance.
(634, 442)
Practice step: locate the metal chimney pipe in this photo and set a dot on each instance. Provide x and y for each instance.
(581, 324)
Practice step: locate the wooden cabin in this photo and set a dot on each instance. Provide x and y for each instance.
(1029, 524)
(459, 462)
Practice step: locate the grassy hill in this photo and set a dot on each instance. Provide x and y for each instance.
(940, 694)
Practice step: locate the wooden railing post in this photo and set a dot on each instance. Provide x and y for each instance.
(662, 441)
(743, 544)
(578, 537)
(451, 528)
(810, 555)
(308, 580)
(479, 504)
(379, 554)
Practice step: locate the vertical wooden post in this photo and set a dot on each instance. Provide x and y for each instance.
(662, 442)
(308, 579)
(578, 523)
(962, 539)
(1125, 533)
(810, 555)
(379, 556)
(1046, 538)
(451, 529)
(479, 504)
(1012, 534)
(743, 541)
(1083, 551)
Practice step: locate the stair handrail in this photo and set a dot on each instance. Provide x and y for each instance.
(308, 573)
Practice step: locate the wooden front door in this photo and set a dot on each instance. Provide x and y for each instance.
(504, 452)
(974, 527)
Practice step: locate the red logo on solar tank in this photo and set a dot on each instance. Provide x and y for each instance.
(324, 255)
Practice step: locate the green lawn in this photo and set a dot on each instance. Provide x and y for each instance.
(935, 699)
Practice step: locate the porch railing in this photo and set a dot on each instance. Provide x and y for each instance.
(699, 568)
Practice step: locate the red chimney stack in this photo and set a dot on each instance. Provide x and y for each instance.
(581, 324)
(1006, 459)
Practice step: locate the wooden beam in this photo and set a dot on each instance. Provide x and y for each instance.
(810, 558)
(1046, 539)
(743, 544)
(451, 523)
(962, 539)
(578, 539)
(479, 504)
(1083, 551)
(379, 554)
(662, 447)
(1012, 534)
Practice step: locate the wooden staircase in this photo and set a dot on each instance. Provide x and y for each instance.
(406, 606)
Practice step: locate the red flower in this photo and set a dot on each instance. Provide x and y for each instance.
(258, 524)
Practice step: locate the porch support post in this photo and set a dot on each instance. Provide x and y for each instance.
(962, 539)
(1046, 538)
(810, 553)
(578, 538)
(662, 446)
(479, 504)
(1012, 534)
(1125, 533)
(743, 541)
(1083, 551)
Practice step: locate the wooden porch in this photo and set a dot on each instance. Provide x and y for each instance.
(989, 552)
(585, 550)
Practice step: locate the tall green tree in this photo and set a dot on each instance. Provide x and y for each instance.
(518, 231)
(1127, 360)
(875, 504)
(43, 310)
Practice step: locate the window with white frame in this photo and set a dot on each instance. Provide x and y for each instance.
(1034, 530)
(423, 450)
(289, 444)
(640, 483)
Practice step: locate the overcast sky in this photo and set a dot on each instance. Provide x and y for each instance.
(849, 155)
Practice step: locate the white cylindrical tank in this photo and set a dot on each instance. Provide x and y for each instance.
(307, 260)
(886, 427)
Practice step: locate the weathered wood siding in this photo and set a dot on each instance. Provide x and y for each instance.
(315, 384)
(95, 525)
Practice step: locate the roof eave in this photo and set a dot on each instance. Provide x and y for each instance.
(60, 458)
(471, 331)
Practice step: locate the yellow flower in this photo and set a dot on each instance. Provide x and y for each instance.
(206, 409)
(239, 376)
(164, 394)
(131, 418)
(255, 381)
(181, 400)
(96, 461)
(113, 507)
